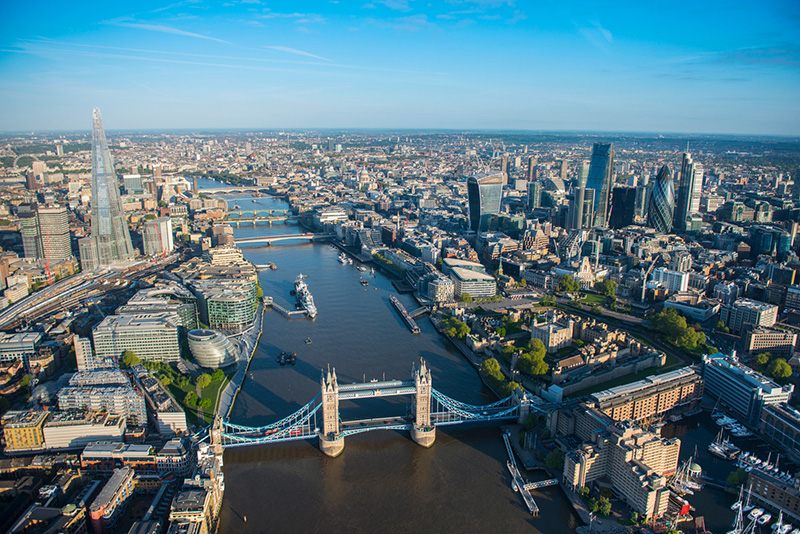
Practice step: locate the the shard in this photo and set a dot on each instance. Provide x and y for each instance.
(109, 227)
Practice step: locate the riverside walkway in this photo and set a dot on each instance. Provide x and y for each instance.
(246, 343)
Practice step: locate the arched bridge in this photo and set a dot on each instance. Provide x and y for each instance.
(272, 238)
(235, 214)
(320, 418)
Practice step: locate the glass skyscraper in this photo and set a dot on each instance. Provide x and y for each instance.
(109, 227)
(484, 193)
(662, 201)
(601, 174)
(689, 189)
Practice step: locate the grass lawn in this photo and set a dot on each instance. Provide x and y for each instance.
(591, 298)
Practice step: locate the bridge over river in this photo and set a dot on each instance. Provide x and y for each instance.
(268, 239)
(320, 419)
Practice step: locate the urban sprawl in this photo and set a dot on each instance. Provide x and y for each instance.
(621, 282)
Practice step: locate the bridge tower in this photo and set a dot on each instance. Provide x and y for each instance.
(423, 432)
(216, 433)
(331, 440)
(521, 397)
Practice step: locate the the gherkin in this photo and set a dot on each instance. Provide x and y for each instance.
(662, 201)
(109, 227)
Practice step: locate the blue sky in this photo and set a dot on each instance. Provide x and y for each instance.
(656, 66)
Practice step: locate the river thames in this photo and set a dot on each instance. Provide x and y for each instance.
(382, 479)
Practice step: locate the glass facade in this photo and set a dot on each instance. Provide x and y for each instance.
(662, 201)
(600, 178)
(484, 193)
(109, 226)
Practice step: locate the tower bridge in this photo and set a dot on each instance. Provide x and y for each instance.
(320, 417)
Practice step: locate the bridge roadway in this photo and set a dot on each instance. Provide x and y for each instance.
(285, 237)
(388, 388)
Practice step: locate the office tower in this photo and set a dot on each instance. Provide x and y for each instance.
(642, 201)
(534, 194)
(109, 227)
(583, 174)
(54, 232)
(157, 236)
(600, 179)
(30, 182)
(532, 164)
(623, 207)
(29, 228)
(662, 201)
(504, 168)
(194, 185)
(689, 189)
(484, 193)
(579, 212)
(564, 169)
(59, 149)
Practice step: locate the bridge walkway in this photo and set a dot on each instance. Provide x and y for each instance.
(519, 483)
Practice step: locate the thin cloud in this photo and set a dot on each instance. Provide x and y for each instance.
(396, 5)
(160, 28)
(413, 23)
(296, 51)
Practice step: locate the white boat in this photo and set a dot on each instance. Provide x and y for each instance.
(764, 519)
(755, 514)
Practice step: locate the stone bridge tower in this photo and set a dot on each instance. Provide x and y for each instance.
(422, 431)
(331, 441)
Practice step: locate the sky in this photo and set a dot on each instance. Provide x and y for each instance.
(649, 66)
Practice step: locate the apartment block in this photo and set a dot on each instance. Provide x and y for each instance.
(652, 396)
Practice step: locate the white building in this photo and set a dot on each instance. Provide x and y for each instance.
(151, 336)
(71, 430)
(745, 312)
(157, 237)
(116, 400)
(672, 281)
(477, 285)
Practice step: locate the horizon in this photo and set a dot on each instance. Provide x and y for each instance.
(458, 65)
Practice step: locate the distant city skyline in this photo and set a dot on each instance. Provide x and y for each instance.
(403, 64)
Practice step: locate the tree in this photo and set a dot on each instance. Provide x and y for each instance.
(536, 348)
(737, 477)
(547, 300)
(567, 284)
(204, 404)
(762, 358)
(501, 332)
(466, 297)
(191, 398)
(608, 288)
(130, 359)
(259, 291)
(779, 368)
(165, 380)
(217, 376)
(203, 380)
(555, 459)
(721, 327)
(603, 506)
(523, 283)
(531, 421)
(26, 381)
(584, 491)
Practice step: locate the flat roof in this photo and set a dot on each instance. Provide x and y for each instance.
(646, 383)
(467, 274)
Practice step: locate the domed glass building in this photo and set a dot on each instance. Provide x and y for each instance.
(211, 349)
(662, 201)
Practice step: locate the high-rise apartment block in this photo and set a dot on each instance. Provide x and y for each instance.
(54, 233)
